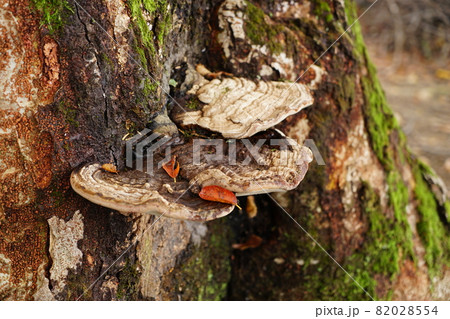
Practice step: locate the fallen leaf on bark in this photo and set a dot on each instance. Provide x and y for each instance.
(253, 242)
(110, 168)
(218, 194)
(172, 168)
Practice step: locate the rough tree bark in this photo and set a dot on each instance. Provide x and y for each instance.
(75, 79)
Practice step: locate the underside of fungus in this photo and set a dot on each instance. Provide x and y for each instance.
(239, 107)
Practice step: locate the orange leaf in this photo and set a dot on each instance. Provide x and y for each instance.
(110, 168)
(172, 167)
(253, 242)
(218, 194)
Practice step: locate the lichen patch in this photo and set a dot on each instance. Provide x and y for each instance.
(284, 65)
(300, 130)
(231, 22)
(18, 73)
(354, 162)
(12, 56)
(5, 274)
(292, 10)
(64, 251)
(43, 292)
(157, 259)
(121, 20)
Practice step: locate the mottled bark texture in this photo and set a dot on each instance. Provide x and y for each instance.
(74, 81)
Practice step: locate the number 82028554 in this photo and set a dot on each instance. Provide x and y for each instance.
(406, 310)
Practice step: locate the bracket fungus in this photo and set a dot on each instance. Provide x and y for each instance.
(240, 108)
(245, 167)
(137, 192)
(238, 167)
(254, 159)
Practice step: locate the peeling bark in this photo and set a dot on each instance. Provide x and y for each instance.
(69, 95)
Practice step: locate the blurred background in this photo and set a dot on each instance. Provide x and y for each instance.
(408, 41)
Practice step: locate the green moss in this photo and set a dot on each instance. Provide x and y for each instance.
(146, 35)
(424, 168)
(381, 254)
(320, 278)
(345, 94)
(389, 144)
(68, 112)
(261, 33)
(399, 199)
(204, 274)
(52, 13)
(194, 103)
(165, 23)
(357, 39)
(381, 123)
(388, 141)
(152, 22)
(388, 240)
(150, 5)
(150, 87)
(211, 288)
(107, 59)
(151, 39)
(373, 265)
(382, 239)
(141, 53)
(58, 197)
(77, 285)
(431, 230)
(322, 9)
(128, 280)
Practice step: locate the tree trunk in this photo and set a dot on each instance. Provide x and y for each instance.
(78, 77)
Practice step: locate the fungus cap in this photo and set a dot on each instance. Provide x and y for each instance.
(240, 108)
(137, 192)
(274, 168)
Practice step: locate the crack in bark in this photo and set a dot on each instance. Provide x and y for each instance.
(105, 99)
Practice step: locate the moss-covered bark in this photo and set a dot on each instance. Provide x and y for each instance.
(376, 261)
(203, 272)
(389, 143)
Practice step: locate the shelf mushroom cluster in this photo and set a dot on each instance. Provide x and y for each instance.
(243, 112)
